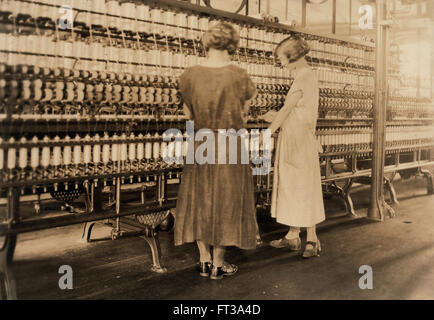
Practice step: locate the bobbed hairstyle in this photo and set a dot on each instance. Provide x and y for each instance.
(222, 36)
(294, 47)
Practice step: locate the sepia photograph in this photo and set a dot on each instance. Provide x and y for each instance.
(216, 158)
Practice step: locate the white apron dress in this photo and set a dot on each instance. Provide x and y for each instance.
(297, 193)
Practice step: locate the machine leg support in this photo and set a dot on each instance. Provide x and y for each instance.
(391, 189)
(349, 205)
(389, 210)
(151, 236)
(344, 194)
(8, 285)
(87, 231)
(429, 180)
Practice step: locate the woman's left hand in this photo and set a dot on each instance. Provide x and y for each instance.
(269, 116)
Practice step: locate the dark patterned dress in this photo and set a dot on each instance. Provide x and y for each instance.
(216, 201)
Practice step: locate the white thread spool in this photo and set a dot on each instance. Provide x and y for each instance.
(67, 152)
(148, 148)
(155, 57)
(77, 154)
(132, 149)
(130, 57)
(12, 46)
(26, 8)
(96, 154)
(178, 146)
(77, 49)
(68, 51)
(142, 13)
(165, 58)
(181, 21)
(321, 138)
(192, 24)
(164, 150)
(2, 155)
(34, 9)
(168, 20)
(113, 56)
(171, 149)
(113, 9)
(22, 155)
(87, 150)
(53, 12)
(14, 7)
(124, 151)
(203, 24)
(45, 158)
(115, 148)
(82, 16)
(88, 16)
(34, 154)
(143, 57)
(327, 139)
(106, 150)
(100, 7)
(22, 46)
(334, 139)
(12, 155)
(156, 148)
(3, 44)
(155, 15)
(140, 148)
(87, 54)
(185, 145)
(128, 10)
(57, 153)
(96, 50)
(254, 143)
(178, 60)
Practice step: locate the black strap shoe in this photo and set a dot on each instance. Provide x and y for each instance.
(204, 268)
(313, 251)
(227, 269)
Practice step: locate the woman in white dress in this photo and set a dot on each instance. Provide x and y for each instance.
(297, 193)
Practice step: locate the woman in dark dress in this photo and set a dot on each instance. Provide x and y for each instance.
(215, 204)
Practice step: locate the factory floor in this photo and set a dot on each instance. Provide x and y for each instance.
(400, 252)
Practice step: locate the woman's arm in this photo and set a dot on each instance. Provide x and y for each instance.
(245, 111)
(186, 111)
(290, 103)
(269, 116)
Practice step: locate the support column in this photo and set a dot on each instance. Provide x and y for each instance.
(378, 207)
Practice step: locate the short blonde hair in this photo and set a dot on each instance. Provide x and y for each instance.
(294, 47)
(222, 36)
